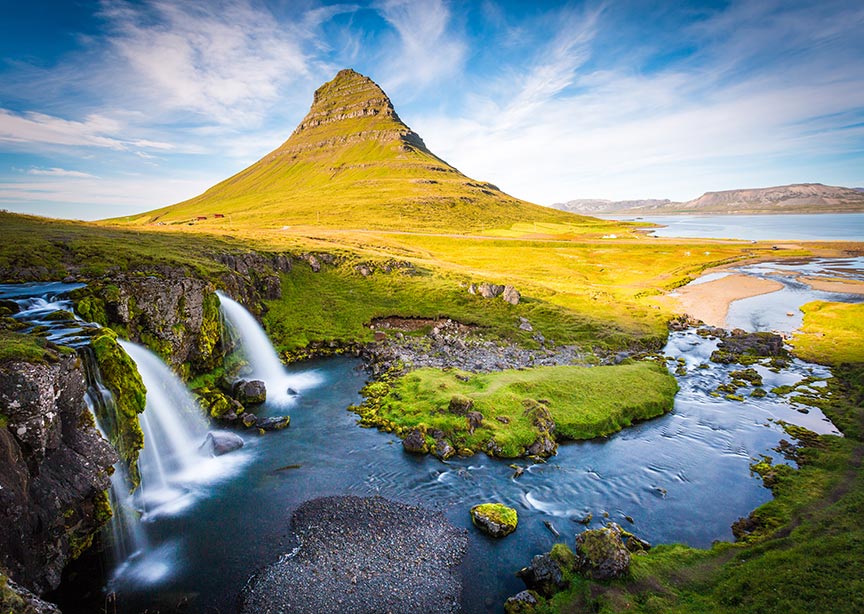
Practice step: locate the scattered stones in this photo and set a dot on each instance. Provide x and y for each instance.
(494, 519)
(363, 555)
(601, 553)
(511, 295)
(524, 324)
(222, 442)
(249, 420)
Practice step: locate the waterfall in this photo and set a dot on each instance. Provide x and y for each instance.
(174, 430)
(263, 361)
(127, 537)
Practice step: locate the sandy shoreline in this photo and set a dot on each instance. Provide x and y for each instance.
(834, 285)
(710, 301)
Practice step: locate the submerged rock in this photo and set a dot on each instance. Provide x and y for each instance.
(275, 423)
(363, 555)
(494, 519)
(222, 442)
(601, 553)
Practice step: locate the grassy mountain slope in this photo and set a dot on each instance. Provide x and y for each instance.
(352, 163)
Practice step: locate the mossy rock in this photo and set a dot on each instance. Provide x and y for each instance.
(494, 519)
(120, 375)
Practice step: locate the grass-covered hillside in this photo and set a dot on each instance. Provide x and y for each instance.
(352, 163)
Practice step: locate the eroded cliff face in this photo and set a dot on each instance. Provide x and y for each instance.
(54, 468)
(176, 316)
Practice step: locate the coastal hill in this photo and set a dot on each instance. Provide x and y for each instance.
(352, 163)
(795, 198)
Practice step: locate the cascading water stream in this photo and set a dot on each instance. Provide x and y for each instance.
(174, 431)
(263, 361)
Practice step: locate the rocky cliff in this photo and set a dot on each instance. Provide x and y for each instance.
(54, 469)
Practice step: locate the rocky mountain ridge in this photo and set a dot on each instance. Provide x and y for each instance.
(794, 198)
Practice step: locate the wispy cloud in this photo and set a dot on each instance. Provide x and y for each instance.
(60, 172)
(736, 112)
(224, 60)
(429, 47)
(94, 131)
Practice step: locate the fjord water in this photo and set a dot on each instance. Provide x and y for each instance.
(821, 227)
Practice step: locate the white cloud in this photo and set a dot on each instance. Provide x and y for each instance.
(89, 198)
(715, 123)
(60, 172)
(429, 50)
(225, 60)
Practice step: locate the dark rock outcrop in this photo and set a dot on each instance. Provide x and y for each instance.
(250, 392)
(601, 553)
(53, 471)
(544, 575)
(174, 315)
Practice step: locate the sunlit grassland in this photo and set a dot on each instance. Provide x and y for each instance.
(832, 333)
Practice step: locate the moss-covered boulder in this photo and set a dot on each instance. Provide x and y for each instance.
(494, 519)
(601, 553)
(525, 602)
(120, 422)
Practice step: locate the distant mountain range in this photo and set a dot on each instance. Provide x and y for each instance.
(795, 198)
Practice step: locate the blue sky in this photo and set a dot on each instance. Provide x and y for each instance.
(113, 107)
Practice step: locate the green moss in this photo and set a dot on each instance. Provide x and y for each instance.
(758, 393)
(10, 601)
(564, 556)
(121, 377)
(498, 513)
(26, 347)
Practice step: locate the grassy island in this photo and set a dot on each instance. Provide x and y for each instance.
(505, 412)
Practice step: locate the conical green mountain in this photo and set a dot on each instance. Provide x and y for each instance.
(352, 163)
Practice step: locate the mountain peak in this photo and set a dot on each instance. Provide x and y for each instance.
(352, 163)
(351, 105)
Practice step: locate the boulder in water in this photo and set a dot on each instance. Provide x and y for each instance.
(415, 442)
(521, 603)
(250, 392)
(222, 442)
(494, 519)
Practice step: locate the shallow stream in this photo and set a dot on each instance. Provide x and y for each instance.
(683, 477)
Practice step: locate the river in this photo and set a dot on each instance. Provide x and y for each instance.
(683, 477)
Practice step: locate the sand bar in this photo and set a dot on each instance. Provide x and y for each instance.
(710, 301)
(828, 284)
